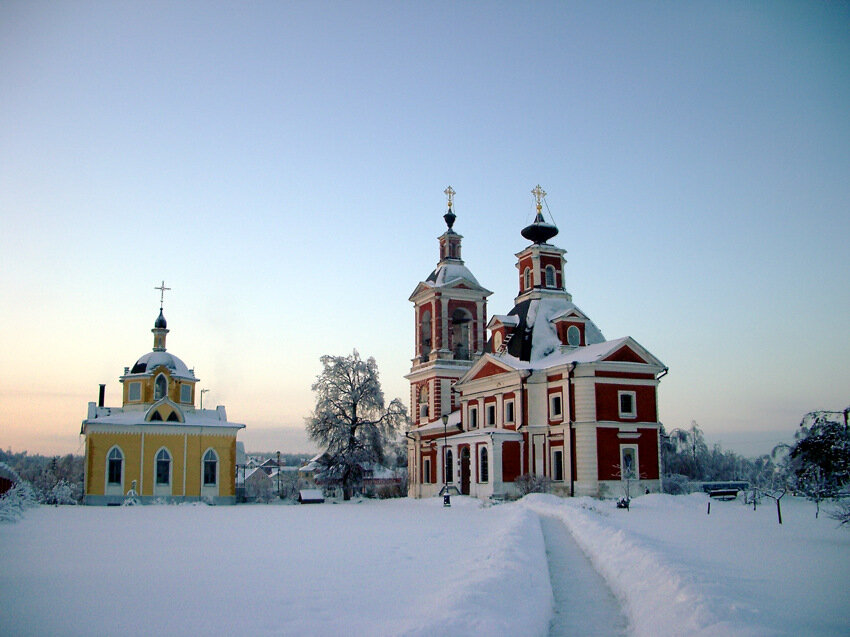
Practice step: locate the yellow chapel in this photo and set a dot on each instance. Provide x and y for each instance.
(157, 445)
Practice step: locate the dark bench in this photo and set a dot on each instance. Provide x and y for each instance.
(723, 494)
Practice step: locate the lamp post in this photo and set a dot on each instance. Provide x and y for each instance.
(278, 474)
(447, 500)
(203, 391)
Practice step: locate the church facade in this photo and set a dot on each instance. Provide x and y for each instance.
(157, 445)
(545, 396)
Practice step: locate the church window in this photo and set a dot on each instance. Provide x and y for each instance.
(163, 467)
(509, 411)
(484, 466)
(185, 393)
(558, 465)
(473, 417)
(526, 277)
(628, 462)
(573, 336)
(173, 417)
(449, 466)
(555, 408)
(490, 416)
(425, 333)
(461, 334)
(115, 466)
(426, 471)
(550, 276)
(156, 416)
(210, 468)
(134, 392)
(160, 387)
(423, 402)
(628, 408)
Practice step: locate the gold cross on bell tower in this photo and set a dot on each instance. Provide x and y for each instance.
(162, 290)
(538, 193)
(450, 193)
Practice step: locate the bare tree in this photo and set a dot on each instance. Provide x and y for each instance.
(350, 419)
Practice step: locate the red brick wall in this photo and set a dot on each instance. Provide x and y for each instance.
(608, 405)
(608, 453)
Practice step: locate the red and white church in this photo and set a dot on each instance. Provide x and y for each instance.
(545, 395)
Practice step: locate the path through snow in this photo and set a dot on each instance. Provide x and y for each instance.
(584, 605)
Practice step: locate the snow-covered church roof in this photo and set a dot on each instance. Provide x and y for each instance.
(448, 273)
(152, 360)
(535, 335)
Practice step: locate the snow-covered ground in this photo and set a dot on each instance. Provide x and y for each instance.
(413, 567)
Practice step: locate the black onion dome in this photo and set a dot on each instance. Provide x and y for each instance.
(160, 321)
(539, 231)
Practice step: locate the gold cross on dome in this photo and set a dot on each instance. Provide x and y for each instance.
(162, 290)
(538, 193)
(450, 193)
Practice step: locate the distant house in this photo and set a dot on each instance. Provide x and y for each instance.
(311, 496)
(258, 485)
(8, 478)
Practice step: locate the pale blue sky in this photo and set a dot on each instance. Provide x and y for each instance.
(282, 166)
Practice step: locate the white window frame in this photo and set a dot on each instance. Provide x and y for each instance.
(426, 470)
(510, 402)
(557, 450)
(185, 393)
(162, 488)
(211, 490)
(490, 410)
(560, 402)
(626, 414)
(526, 278)
(134, 387)
(473, 416)
(481, 453)
(550, 276)
(636, 472)
(115, 488)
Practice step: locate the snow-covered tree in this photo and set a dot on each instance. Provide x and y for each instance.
(351, 421)
(820, 456)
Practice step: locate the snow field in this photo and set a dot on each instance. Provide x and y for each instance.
(374, 568)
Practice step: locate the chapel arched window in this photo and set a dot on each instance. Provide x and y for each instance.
(550, 276)
(210, 468)
(485, 468)
(425, 333)
(163, 467)
(526, 277)
(114, 466)
(160, 387)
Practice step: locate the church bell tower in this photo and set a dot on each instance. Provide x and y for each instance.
(450, 312)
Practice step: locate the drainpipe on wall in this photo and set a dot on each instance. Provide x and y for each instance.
(570, 404)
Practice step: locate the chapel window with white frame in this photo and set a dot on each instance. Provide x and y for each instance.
(163, 467)
(490, 415)
(134, 392)
(473, 417)
(555, 406)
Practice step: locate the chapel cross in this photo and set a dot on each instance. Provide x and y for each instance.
(450, 193)
(162, 290)
(538, 193)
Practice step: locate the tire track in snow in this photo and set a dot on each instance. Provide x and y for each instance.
(584, 605)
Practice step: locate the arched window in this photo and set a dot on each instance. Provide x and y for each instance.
(485, 469)
(210, 468)
(461, 334)
(423, 402)
(573, 336)
(160, 387)
(449, 466)
(114, 466)
(526, 277)
(163, 467)
(550, 276)
(425, 333)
